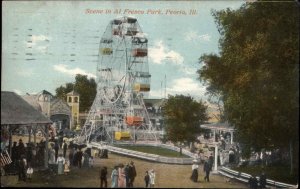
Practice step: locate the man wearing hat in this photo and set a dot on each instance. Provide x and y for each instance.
(131, 174)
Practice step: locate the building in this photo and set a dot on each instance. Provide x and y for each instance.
(17, 114)
(73, 102)
(55, 109)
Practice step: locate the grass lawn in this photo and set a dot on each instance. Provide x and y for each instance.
(155, 150)
(277, 173)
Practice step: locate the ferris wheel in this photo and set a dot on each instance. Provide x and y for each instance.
(118, 111)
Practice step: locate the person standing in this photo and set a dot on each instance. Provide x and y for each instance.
(195, 167)
(152, 178)
(14, 154)
(65, 147)
(29, 171)
(262, 180)
(21, 149)
(51, 156)
(147, 179)
(206, 169)
(60, 162)
(56, 148)
(67, 167)
(114, 177)
(91, 161)
(126, 170)
(131, 174)
(252, 182)
(211, 161)
(22, 168)
(79, 158)
(86, 160)
(121, 178)
(103, 177)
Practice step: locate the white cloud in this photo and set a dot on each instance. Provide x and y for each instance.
(186, 86)
(189, 71)
(25, 72)
(156, 94)
(18, 91)
(194, 36)
(72, 72)
(160, 54)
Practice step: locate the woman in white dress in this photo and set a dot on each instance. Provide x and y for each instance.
(152, 178)
(60, 162)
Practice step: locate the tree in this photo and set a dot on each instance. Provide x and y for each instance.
(257, 74)
(85, 87)
(183, 116)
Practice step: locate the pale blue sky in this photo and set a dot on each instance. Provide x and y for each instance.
(63, 40)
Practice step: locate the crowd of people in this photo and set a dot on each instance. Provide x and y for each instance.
(24, 158)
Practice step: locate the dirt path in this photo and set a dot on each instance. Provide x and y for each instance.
(167, 176)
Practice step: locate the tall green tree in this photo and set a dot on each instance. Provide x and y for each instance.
(257, 74)
(183, 116)
(85, 87)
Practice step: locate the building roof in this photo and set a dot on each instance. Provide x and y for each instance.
(32, 100)
(46, 92)
(15, 110)
(218, 126)
(73, 93)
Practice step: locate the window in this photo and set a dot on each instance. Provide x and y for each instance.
(70, 99)
(76, 99)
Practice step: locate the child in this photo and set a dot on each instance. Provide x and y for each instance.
(91, 161)
(29, 172)
(147, 179)
(67, 167)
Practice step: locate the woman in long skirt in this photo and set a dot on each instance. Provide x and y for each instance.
(61, 162)
(114, 177)
(195, 167)
(122, 177)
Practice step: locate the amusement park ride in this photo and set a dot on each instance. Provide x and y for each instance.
(118, 112)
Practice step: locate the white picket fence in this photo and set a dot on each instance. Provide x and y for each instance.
(243, 177)
(146, 156)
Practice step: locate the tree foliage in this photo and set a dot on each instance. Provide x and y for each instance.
(85, 87)
(257, 72)
(183, 116)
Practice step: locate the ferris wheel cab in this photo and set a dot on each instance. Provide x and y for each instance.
(108, 41)
(139, 87)
(117, 32)
(139, 40)
(106, 51)
(139, 52)
(131, 31)
(122, 135)
(134, 120)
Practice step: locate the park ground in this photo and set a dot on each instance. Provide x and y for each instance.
(167, 176)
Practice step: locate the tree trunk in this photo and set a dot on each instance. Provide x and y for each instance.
(180, 151)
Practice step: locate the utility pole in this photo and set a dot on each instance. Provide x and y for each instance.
(165, 86)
